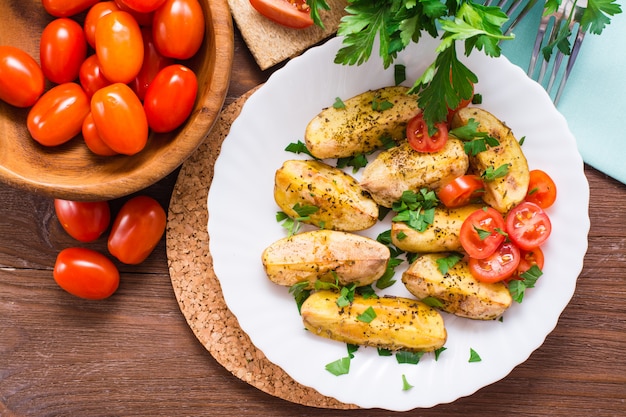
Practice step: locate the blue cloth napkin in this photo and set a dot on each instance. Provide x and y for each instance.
(595, 95)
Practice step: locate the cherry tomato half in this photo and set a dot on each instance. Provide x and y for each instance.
(58, 115)
(63, 49)
(83, 220)
(119, 46)
(461, 190)
(65, 8)
(178, 28)
(142, 6)
(153, 62)
(21, 78)
(93, 15)
(541, 189)
(120, 118)
(86, 273)
(170, 98)
(91, 77)
(93, 140)
(498, 266)
(137, 229)
(482, 233)
(295, 14)
(419, 138)
(528, 226)
(529, 258)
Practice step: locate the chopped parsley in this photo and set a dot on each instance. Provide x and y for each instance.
(474, 356)
(444, 264)
(474, 141)
(339, 104)
(299, 147)
(439, 352)
(399, 74)
(432, 302)
(367, 316)
(492, 173)
(405, 384)
(381, 105)
(412, 358)
(517, 287)
(417, 210)
(339, 367)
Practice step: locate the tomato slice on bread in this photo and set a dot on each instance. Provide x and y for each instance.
(294, 14)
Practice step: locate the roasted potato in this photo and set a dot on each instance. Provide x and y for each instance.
(340, 201)
(441, 236)
(361, 124)
(400, 323)
(326, 255)
(401, 168)
(458, 291)
(505, 192)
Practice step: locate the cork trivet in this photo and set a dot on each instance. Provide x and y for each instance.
(197, 289)
(271, 43)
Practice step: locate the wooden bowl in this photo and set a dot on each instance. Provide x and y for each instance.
(71, 171)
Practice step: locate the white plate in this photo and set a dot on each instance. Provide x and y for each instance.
(242, 223)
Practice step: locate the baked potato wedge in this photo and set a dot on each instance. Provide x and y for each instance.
(441, 236)
(505, 192)
(326, 255)
(402, 168)
(360, 126)
(400, 323)
(458, 291)
(341, 202)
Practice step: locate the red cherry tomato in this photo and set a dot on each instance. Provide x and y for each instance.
(119, 46)
(482, 232)
(153, 62)
(170, 98)
(144, 19)
(541, 189)
(93, 15)
(461, 190)
(86, 273)
(419, 138)
(499, 266)
(178, 28)
(83, 220)
(66, 8)
(528, 226)
(58, 115)
(63, 49)
(137, 229)
(529, 258)
(93, 140)
(91, 77)
(142, 6)
(21, 77)
(295, 14)
(120, 118)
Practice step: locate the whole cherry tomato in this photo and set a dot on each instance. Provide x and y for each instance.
(85, 221)
(21, 77)
(178, 28)
(137, 229)
(144, 19)
(119, 46)
(91, 77)
(295, 14)
(142, 6)
(93, 15)
(86, 273)
(63, 49)
(93, 140)
(153, 62)
(58, 115)
(170, 98)
(120, 118)
(65, 8)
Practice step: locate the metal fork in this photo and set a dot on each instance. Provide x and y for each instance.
(511, 7)
(544, 37)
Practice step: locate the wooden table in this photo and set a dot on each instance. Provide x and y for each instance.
(134, 354)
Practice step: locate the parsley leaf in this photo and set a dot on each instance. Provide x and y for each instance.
(339, 104)
(357, 162)
(517, 287)
(439, 352)
(417, 210)
(405, 384)
(299, 147)
(492, 173)
(367, 316)
(474, 356)
(432, 302)
(595, 19)
(474, 140)
(316, 6)
(339, 367)
(300, 293)
(447, 262)
(409, 357)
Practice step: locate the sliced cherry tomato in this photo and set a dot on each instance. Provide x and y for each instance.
(58, 115)
(86, 273)
(461, 190)
(295, 14)
(91, 77)
(153, 62)
(83, 220)
(528, 225)
(137, 229)
(93, 140)
(66, 8)
(178, 28)
(63, 49)
(499, 266)
(120, 118)
(170, 98)
(142, 6)
(93, 15)
(529, 258)
(119, 46)
(21, 78)
(541, 189)
(419, 138)
(482, 233)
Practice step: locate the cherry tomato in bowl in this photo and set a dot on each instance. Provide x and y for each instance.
(482, 233)
(178, 28)
(295, 14)
(21, 79)
(86, 273)
(528, 225)
(62, 50)
(85, 221)
(65, 8)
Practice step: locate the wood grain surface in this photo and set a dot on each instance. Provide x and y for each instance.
(135, 355)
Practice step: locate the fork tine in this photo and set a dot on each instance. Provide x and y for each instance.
(570, 63)
(512, 23)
